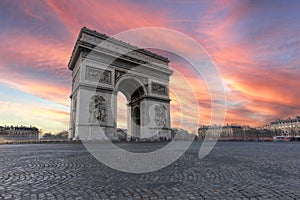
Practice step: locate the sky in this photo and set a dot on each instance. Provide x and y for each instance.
(254, 44)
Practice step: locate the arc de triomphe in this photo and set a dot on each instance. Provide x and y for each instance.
(101, 67)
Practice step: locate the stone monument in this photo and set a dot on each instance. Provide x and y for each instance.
(103, 66)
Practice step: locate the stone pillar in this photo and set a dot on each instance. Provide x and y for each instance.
(129, 126)
(155, 119)
(114, 113)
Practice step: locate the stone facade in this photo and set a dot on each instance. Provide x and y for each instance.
(19, 130)
(101, 67)
(229, 131)
(16, 133)
(290, 126)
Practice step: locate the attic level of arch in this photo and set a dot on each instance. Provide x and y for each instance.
(90, 43)
(91, 38)
(125, 61)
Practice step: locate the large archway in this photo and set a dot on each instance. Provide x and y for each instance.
(99, 73)
(134, 91)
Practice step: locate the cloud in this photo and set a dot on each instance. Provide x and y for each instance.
(254, 44)
(30, 52)
(36, 65)
(14, 113)
(255, 48)
(110, 17)
(45, 89)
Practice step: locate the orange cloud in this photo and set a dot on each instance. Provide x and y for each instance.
(259, 85)
(31, 52)
(26, 62)
(47, 119)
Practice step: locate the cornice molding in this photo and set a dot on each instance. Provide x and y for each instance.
(90, 39)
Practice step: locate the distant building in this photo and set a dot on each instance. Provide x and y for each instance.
(234, 132)
(290, 126)
(18, 130)
(3, 130)
(23, 130)
(19, 133)
(228, 131)
(61, 136)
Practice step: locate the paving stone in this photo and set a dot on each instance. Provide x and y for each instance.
(233, 170)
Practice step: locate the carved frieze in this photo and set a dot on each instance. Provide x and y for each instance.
(160, 89)
(160, 115)
(99, 75)
(97, 109)
(121, 48)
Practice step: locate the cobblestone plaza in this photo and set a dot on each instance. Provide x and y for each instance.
(233, 170)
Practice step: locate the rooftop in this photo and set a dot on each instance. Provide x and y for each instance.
(289, 120)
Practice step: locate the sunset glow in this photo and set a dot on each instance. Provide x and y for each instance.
(255, 45)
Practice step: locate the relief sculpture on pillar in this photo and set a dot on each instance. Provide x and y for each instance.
(97, 109)
(160, 115)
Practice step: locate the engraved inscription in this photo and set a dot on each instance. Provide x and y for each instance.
(102, 76)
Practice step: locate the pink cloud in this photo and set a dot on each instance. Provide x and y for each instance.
(109, 17)
(44, 89)
(255, 90)
(28, 51)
